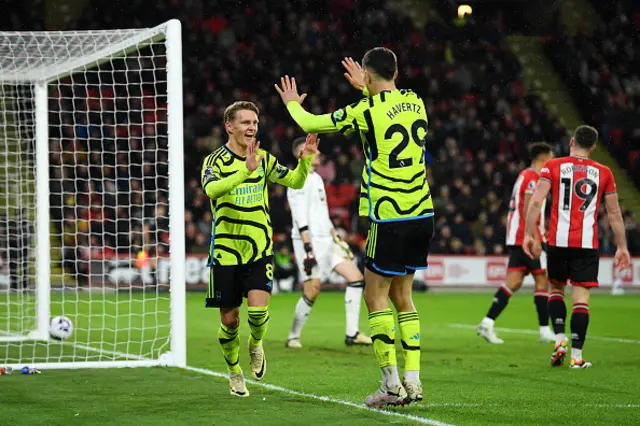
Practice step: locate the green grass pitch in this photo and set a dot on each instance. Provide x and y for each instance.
(466, 381)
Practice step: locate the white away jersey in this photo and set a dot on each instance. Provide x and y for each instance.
(309, 209)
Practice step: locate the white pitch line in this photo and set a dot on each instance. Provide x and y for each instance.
(525, 331)
(421, 420)
(418, 419)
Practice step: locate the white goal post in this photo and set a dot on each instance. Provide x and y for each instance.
(92, 197)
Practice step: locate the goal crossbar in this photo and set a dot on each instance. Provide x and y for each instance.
(97, 47)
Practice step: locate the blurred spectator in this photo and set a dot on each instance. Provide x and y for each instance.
(285, 271)
(462, 230)
(201, 243)
(603, 71)
(633, 233)
(479, 248)
(109, 166)
(490, 239)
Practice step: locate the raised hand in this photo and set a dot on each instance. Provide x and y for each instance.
(289, 90)
(354, 73)
(252, 151)
(310, 146)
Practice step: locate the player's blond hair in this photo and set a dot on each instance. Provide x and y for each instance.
(230, 112)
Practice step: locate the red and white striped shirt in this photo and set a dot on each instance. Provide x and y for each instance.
(578, 185)
(516, 221)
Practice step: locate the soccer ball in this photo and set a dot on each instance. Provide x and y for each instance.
(60, 328)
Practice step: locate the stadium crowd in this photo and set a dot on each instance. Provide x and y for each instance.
(603, 69)
(481, 120)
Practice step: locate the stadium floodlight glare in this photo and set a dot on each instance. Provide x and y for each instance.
(464, 9)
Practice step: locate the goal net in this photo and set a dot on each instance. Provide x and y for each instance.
(91, 197)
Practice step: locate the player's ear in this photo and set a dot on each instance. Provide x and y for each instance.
(592, 148)
(227, 127)
(395, 75)
(366, 76)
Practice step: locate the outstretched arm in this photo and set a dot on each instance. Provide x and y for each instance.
(344, 120)
(300, 201)
(294, 178)
(215, 187)
(291, 178)
(308, 122)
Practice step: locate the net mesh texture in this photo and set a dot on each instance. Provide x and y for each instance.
(108, 169)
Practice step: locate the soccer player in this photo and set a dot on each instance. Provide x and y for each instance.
(577, 186)
(519, 264)
(395, 195)
(235, 178)
(319, 250)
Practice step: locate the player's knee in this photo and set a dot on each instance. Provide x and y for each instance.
(402, 301)
(557, 286)
(374, 300)
(369, 297)
(230, 319)
(541, 282)
(400, 291)
(350, 272)
(580, 295)
(311, 293)
(373, 303)
(514, 285)
(312, 290)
